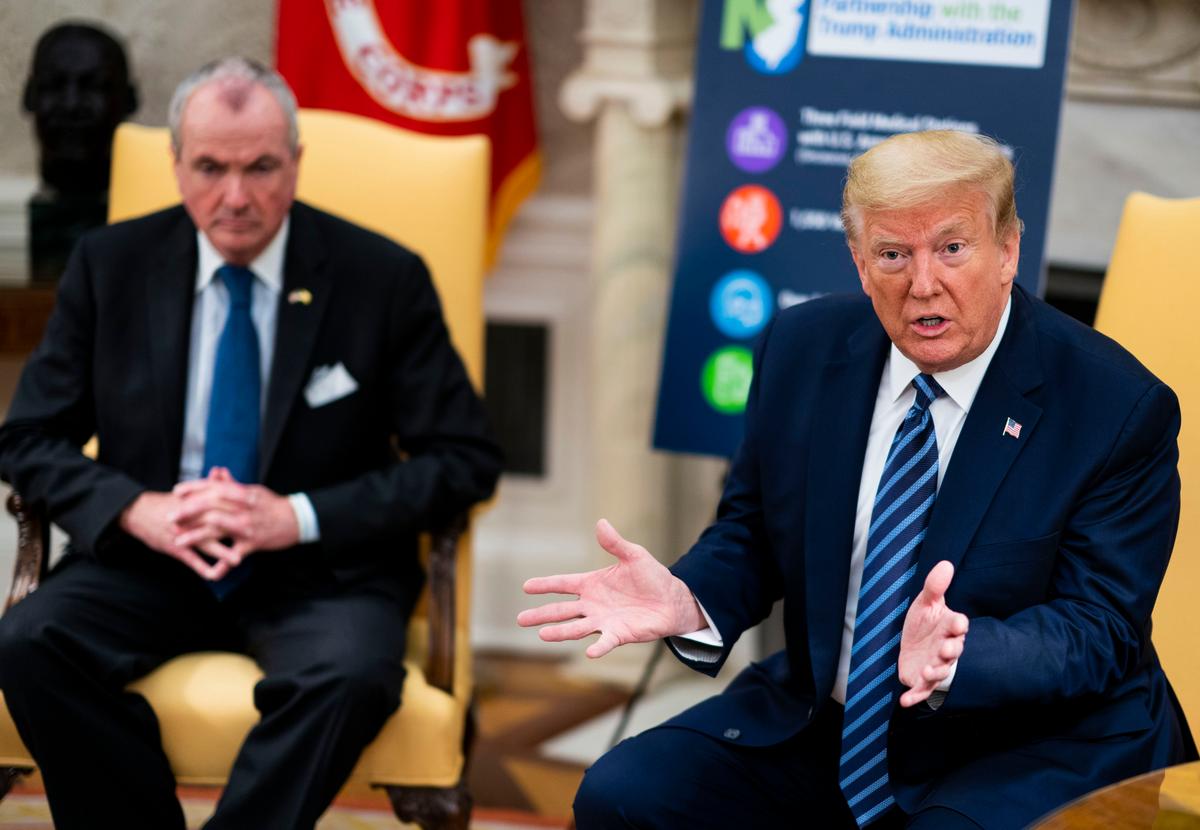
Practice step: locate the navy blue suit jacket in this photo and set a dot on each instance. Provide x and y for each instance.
(1060, 539)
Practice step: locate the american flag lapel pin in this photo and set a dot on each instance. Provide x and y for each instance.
(1012, 428)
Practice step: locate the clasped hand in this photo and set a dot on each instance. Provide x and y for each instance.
(218, 517)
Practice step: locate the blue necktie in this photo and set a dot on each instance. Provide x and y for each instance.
(231, 433)
(899, 518)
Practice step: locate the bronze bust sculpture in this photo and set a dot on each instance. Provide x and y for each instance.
(78, 91)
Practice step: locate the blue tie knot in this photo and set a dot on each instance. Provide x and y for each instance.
(238, 281)
(928, 391)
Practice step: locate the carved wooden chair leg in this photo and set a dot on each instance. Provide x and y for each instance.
(432, 808)
(439, 808)
(10, 776)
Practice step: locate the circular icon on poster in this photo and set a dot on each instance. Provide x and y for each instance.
(756, 139)
(751, 219)
(725, 379)
(740, 304)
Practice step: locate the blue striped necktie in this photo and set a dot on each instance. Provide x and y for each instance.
(231, 432)
(899, 518)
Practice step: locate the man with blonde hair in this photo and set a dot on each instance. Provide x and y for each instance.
(279, 413)
(967, 501)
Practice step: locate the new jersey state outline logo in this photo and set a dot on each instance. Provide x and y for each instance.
(770, 33)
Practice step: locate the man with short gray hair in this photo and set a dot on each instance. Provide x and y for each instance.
(966, 500)
(250, 366)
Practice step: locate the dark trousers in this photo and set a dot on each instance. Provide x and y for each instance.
(670, 777)
(332, 656)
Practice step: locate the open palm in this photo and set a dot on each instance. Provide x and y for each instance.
(634, 600)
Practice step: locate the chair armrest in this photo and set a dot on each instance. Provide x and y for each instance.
(443, 553)
(33, 540)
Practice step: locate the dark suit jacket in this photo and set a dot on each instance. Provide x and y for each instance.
(114, 363)
(1059, 539)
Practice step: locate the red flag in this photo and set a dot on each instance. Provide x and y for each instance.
(454, 67)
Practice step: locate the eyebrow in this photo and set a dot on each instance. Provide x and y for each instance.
(954, 228)
(265, 158)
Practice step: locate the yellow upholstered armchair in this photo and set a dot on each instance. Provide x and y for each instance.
(1149, 304)
(431, 195)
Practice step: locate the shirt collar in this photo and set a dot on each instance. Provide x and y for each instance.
(960, 384)
(267, 266)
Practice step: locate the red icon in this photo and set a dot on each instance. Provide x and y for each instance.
(751, 218)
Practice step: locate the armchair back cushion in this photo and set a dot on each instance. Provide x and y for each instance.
(1149, 304)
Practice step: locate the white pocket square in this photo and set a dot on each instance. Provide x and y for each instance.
(328, 384)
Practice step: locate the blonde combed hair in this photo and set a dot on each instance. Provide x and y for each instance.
(911, 169)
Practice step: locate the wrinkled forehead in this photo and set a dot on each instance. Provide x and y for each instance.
(234, 113)
(962, 209)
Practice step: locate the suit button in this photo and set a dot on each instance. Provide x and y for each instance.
(810, 712)
(733, 734)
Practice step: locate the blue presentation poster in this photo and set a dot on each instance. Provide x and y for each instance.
(787, 92)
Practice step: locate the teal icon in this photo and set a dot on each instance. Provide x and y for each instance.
(740, 304)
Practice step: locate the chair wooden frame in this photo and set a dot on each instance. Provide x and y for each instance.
(431, 808)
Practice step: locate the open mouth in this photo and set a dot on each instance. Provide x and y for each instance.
(930, 325)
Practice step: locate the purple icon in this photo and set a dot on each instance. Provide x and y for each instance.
(756, 140)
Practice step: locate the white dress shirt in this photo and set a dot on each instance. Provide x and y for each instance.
(892, 402)
(209, 311)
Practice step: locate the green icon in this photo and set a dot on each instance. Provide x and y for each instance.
(725, 379)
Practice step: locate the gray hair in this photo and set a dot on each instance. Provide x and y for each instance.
(240, 68)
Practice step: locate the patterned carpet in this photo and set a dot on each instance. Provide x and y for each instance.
(522, 702)
(25, 811)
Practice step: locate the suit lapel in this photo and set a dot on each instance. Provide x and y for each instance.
(984, 454)
(305, 269)
(848, 389)
(170, 292)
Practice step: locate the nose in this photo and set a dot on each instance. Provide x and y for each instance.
(925, 280)
(234, 196)
(71, 96)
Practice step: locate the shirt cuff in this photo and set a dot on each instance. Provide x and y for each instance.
(703, 646)
(939, 694)
(306, 518)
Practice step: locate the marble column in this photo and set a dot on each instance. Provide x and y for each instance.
(635, 85)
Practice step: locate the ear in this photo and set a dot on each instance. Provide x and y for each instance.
(1010, 255)
(177, 167)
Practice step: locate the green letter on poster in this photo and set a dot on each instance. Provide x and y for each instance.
(742, 16)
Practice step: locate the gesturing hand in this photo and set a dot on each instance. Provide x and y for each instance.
(932, 639)
(635, 600)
